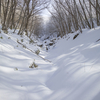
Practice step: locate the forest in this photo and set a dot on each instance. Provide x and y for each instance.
(67, 16)
(49, 49)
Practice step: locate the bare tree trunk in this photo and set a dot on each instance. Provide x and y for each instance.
(5, 11)
(13, 14)
(85, 15)
(19, 17)
(95, 7)
(9, 14)
(27, 16)
(97, 15)
(75, 15)
(90, 13)
(71, 13)
(0, 9)
(80, 15)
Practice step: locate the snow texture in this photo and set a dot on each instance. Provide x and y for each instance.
(73, 74)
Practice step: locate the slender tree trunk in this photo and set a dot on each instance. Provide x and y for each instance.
(19, 18)
(90, 13)
(85, 15)
(13, 14)
(5, 11)
(0, 10)
(9, 14)
(95, 7)
(97, 15)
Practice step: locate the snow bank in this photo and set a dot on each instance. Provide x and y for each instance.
(78, 62)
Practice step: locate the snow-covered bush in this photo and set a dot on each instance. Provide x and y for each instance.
(9, 38)
(21, 40)
(37, 52)
(24, 46)
(34, 65)
(1, 37)
(15, 68)
(31, 41)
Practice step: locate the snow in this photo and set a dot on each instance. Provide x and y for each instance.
(72, 74)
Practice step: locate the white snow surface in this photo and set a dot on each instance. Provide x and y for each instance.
(73, 74)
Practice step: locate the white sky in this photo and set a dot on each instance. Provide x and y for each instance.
(46, 15)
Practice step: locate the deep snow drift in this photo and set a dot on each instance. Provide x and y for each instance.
(73, 74)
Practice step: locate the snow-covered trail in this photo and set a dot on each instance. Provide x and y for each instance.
(73, 74)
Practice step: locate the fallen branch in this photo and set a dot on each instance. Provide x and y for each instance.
(33, 52)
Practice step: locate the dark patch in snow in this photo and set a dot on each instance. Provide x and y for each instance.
(98, 40)
(75, 36)
(40, 45)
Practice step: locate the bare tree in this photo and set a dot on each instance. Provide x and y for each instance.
(32, 7)
(5, 4)
(85, 14)
(0, 9)
(90, 14)
(22, 14)
(97, 15)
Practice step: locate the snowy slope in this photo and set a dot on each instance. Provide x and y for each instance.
(78, 73)
(73, 74)
(24, 83)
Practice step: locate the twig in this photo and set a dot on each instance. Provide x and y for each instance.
(33, 52)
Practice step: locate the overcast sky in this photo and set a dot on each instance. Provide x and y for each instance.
(45, 12)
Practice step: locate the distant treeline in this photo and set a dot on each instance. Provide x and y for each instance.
(22, 15)
(72, 15)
